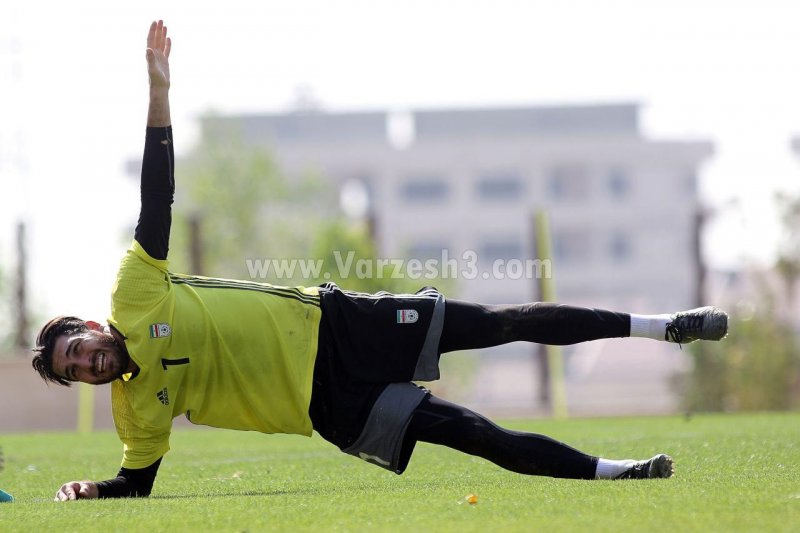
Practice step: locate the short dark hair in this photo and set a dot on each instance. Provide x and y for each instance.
(46, 341)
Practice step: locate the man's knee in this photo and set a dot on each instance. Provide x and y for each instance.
(512, 320)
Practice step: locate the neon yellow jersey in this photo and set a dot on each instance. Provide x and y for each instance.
(226, 353)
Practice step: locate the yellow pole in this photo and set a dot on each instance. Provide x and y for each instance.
(85, 408)
(555, 363)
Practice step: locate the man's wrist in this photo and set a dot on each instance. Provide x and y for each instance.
(92, 489)
(158, 110)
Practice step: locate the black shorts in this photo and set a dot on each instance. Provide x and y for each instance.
(368, 342)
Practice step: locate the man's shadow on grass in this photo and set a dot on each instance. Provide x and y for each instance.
(306, 491)
(234, 494)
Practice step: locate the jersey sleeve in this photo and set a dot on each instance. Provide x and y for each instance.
(142, 282)
(157, 192)
(145, 439)
(129, 483)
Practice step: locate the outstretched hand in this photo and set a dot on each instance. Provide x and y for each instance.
(158, 47)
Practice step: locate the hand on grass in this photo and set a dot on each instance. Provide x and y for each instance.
(77, 490)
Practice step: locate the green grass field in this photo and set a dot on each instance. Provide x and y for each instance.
(733, 473)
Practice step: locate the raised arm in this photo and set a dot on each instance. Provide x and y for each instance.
(158, 162)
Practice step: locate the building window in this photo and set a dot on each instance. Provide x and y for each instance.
(572, 246)
(619, 247)
(506, 249)
(691, 182)
(618, 184)
(426, 250)
(568, 183)
(425, 190)
(500, 187)
(355, 197)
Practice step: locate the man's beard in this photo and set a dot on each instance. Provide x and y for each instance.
(119, 354)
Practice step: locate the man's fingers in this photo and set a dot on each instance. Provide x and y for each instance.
(157, 38)
(151, 35)
(164, 40)
(66, 492)
(159, 44)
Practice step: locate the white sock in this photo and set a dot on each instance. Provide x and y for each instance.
(609, 469)
(649, 326)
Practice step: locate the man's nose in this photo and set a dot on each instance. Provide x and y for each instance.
(85, 362)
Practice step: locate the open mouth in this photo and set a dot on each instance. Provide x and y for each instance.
(100, 363)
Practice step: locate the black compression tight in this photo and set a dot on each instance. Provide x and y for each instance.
(471, 326)
(440, 422)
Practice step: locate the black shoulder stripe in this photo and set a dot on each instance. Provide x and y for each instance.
(212, 283)
(238, 282)
(241, 283)
(309, 300)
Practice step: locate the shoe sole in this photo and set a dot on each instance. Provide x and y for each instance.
(660, 467)
(715, 324)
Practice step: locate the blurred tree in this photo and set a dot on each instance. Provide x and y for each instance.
(6, 315)
(238, 206)
(349, 255)
(233, 205)
(756, 367)
(788, 264)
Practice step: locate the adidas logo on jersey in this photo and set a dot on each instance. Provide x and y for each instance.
(163, 396)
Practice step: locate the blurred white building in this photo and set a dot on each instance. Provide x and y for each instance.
(622, 209)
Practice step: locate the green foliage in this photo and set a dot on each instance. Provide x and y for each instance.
(733, 473)
(788, 264)
(758, 365)
(755, 368)
(246, 207)
(349, 255)
(250, 211)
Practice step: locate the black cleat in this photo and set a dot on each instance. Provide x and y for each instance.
(658, 467)
(703, 323)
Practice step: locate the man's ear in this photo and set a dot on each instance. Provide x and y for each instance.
(94, 326)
